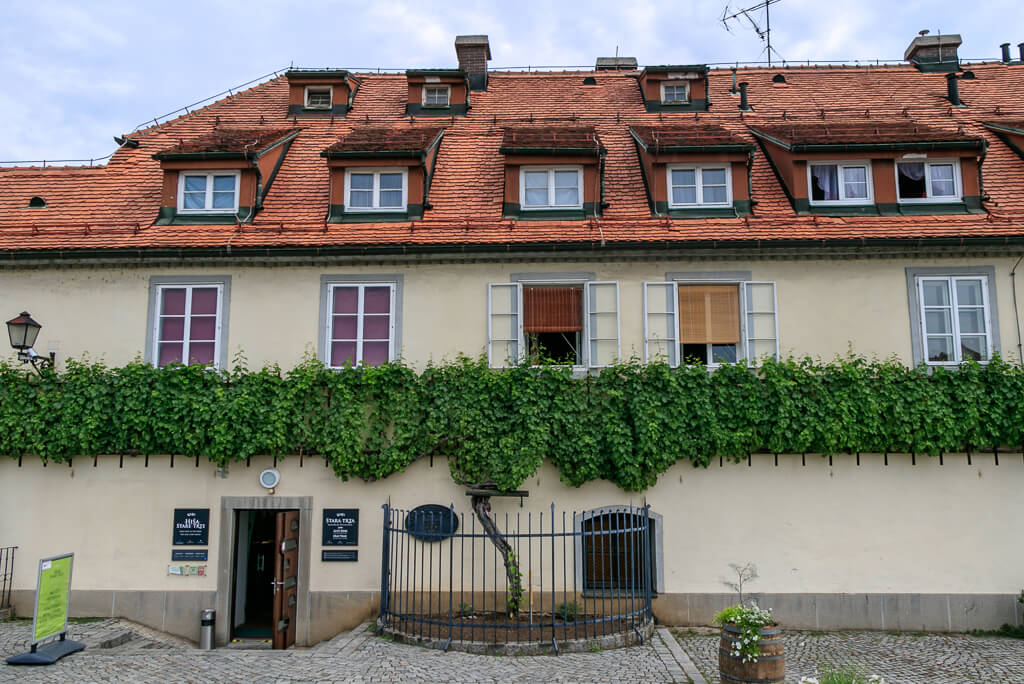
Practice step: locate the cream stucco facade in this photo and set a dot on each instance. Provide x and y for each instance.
(825, 307)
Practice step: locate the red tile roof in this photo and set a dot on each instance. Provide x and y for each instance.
(114, 207)
(694, 135)
(863, 132)
(550, 137)
(228, 140)
(372, 139)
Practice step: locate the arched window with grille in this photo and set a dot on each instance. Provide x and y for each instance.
(613, 556)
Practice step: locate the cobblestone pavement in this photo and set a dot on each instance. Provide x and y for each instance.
(122, 651)
(356, 656)
(900, 658)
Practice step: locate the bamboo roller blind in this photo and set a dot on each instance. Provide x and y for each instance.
(709, 314)
(552, 309)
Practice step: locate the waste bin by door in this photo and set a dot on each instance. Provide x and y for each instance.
(286, 572)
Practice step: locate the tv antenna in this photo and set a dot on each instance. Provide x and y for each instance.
(765, 34)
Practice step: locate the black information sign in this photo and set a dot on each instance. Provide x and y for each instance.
(188, 555)
(431, 522)
(341, 527)
(339, 555)
(191, 527)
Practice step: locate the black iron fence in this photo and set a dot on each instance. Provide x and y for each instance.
(6, 575)
(581, 576)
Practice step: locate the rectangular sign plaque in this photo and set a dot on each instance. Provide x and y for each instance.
(191, 527)
(341, 527)
(188, 554)
(327, 555)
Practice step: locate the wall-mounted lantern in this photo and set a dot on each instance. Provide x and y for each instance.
(23, 330)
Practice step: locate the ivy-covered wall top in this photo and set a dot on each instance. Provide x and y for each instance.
(627, 425)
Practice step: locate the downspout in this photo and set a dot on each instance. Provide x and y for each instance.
(1016, 310)
(981, 175)
(750, 180)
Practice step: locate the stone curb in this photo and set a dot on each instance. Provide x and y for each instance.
(689, 670)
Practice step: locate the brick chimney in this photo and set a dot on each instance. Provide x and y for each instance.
(473, 53)
(934, 53)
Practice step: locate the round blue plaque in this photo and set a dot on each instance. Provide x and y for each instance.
(431, 522)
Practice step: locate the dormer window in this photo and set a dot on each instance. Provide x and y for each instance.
(381, 174)
(318, 97)
(376, 189)
(437, 92)
(551, 187)
(552, 172)
(208, 193)
(436, 95)
(928, 181)
(694, 170)
(320, 92)
(675, 88)
(848, 183)
(858, 168)
(675, 92)
(699, 186)
(220, 177)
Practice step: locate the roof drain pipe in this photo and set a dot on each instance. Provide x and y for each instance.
(1016, 311)
(953, 90)
(744, 105)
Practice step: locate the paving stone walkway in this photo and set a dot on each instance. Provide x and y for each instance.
(900, 658)
(356, 656)
(122, 651)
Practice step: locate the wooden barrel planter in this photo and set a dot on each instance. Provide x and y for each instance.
(770, 666)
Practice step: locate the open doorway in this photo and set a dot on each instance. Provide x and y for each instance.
(252, 614)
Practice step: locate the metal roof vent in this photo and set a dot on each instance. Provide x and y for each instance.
(589, 80)
(37, 202)
(967, 76)
(778, 78)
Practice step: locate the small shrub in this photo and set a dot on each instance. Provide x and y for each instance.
(566, 611)
(749, 620)
(843, 674)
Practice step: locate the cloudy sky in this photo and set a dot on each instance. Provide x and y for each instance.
(78, 72)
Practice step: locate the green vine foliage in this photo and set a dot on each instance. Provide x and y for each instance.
(628, 424)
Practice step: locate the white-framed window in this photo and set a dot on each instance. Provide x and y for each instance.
(710, 322)
(436, 95)
(209, 192)
(376, 189)
(187, 324)
(360, 324)
(928, 181)
(955, 319)
(839, 183)
(568, 322)
(675, 92)
(319, 97)
(551, 187)
(699, 185)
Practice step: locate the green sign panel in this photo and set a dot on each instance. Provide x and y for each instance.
(54, 589)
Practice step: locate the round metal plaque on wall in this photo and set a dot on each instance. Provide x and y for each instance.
(431, 522)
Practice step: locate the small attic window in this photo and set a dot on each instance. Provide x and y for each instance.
(318, 97)
(778, 78)
(675, 92)
(589, 80)
(37, 202)
(967, 76)
(436, 95)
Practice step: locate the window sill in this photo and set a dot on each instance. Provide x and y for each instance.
(691, 106)
(417, 109)
(514, 210)
(737, 208)
(303, 111)
(338, 214)
(615, 593)
(169, 216)
(968, 205)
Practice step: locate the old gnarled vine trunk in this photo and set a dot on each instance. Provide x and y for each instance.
(482, 509)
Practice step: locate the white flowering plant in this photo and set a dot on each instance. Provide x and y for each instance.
(749, 620)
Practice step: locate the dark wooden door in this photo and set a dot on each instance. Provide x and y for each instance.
(286, 573)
